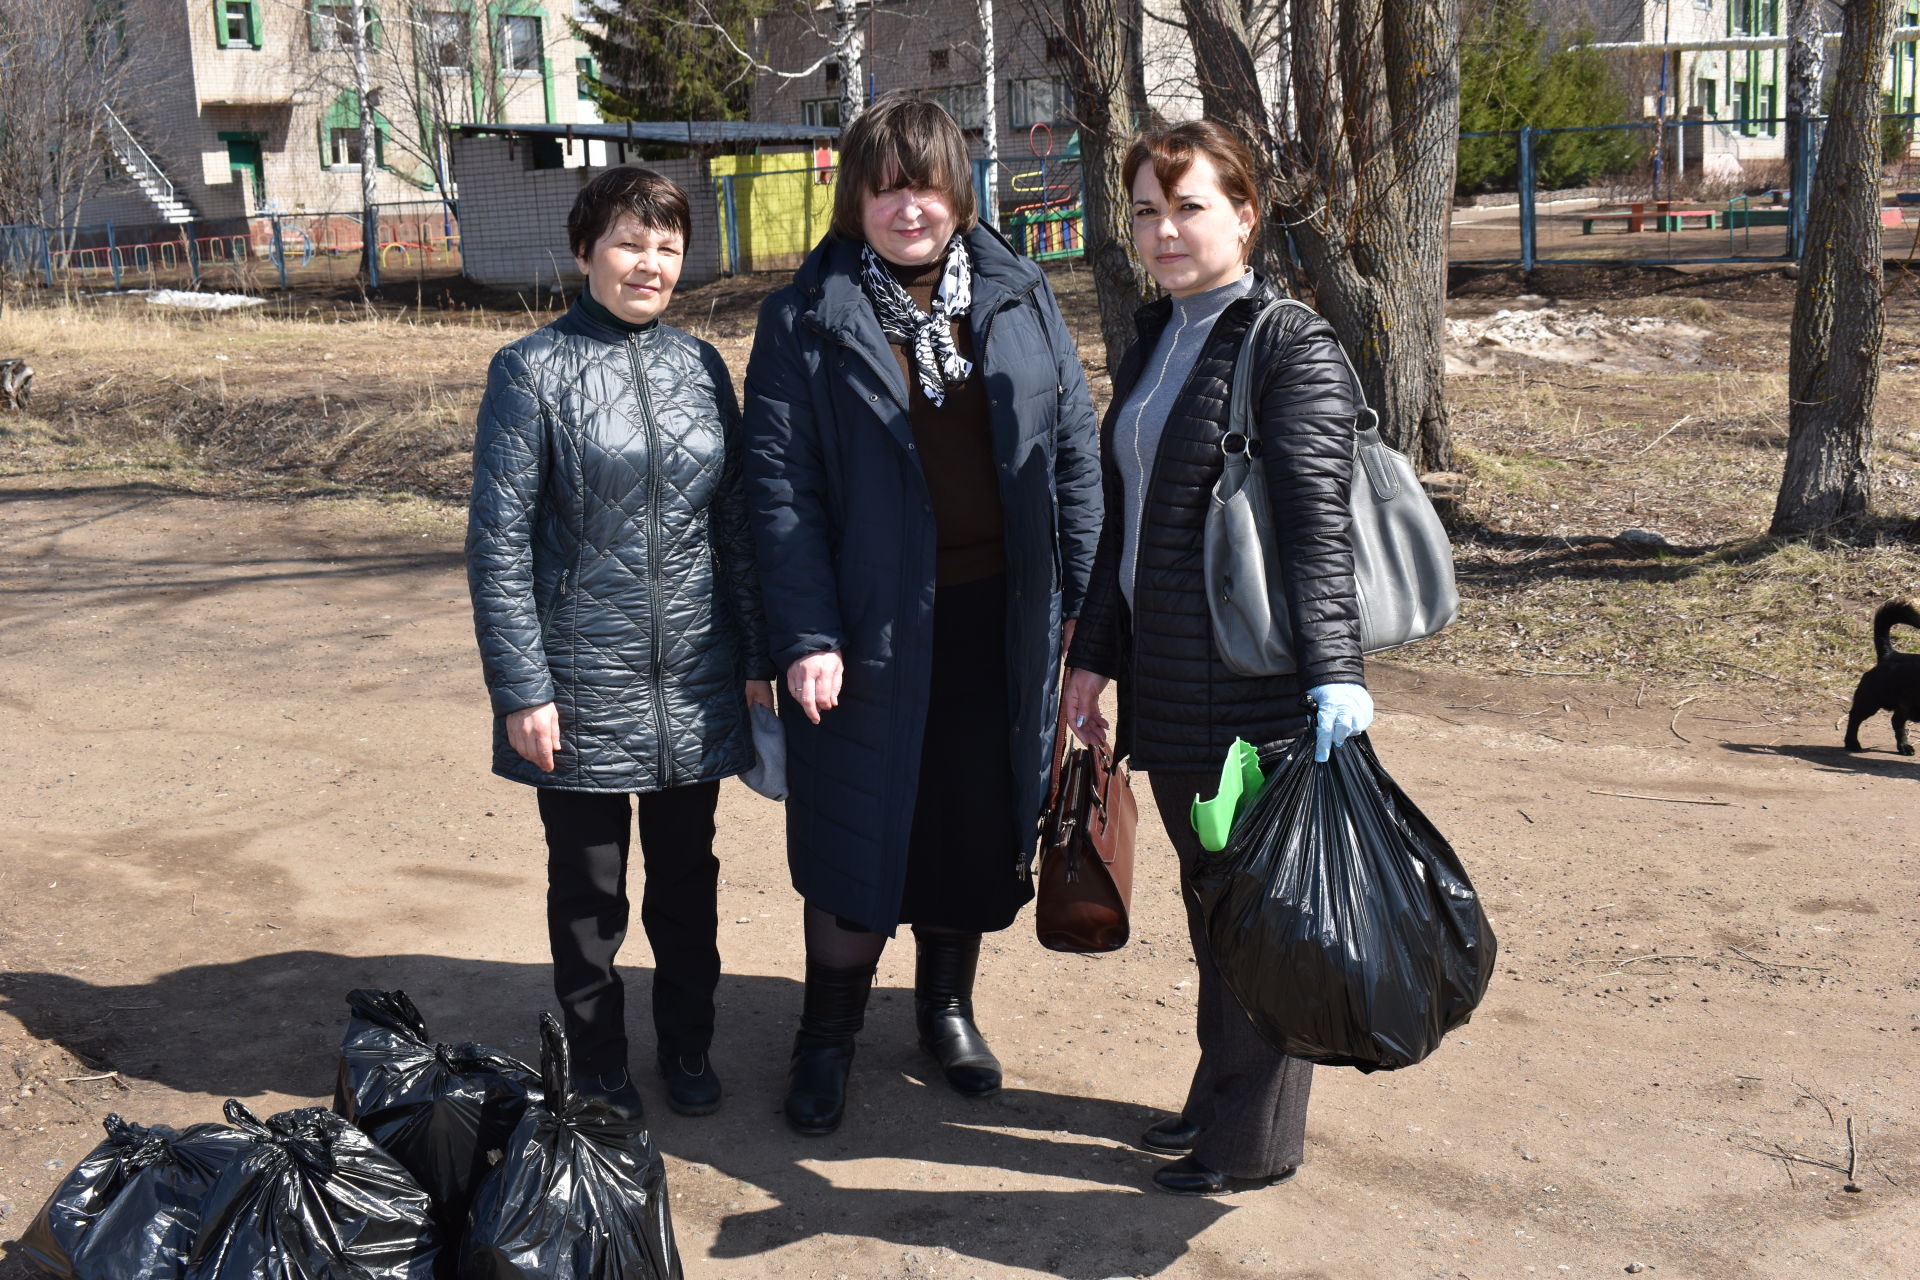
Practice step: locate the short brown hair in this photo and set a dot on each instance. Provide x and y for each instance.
(897, 140)
(651, 198)
(1171, 151)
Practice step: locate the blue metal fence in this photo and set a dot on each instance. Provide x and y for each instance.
(1675, 192)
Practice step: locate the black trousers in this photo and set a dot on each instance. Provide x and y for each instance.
(1248, 1097)
(588, 837)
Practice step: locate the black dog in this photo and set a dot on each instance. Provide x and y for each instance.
(1894, 683)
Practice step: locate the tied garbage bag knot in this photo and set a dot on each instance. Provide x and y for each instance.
(312, 1198)
(130, 1209)
(580, 1193)
(1339, 916)
(443, 1111)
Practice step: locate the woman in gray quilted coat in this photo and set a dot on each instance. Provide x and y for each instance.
(616, 604)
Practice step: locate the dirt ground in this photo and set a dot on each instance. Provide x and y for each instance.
(246, 747)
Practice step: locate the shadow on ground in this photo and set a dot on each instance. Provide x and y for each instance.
(1874, 763)
(271, 1025)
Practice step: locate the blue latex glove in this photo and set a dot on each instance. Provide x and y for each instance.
(1345, 709)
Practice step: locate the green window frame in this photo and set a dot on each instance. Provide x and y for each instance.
(317, 18)
(496, 29)
(585, 75)
(345, 114)
(248, 11)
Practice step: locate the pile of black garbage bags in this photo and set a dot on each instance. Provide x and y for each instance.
(437, 1162)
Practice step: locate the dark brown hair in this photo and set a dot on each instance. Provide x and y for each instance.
(651, 198)
(902, 141)
(1171, 150)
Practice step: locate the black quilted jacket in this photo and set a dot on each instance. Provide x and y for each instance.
(609, 559)
(1180, 708)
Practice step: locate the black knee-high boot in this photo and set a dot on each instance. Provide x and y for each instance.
(834, 1009)
(943, 1010)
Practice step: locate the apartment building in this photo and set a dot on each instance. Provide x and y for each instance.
(1675, 73)
(250, 106)
(934, 48)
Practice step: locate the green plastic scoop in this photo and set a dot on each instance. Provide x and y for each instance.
(1240, 784)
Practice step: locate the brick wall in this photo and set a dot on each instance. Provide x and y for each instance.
(513, 217)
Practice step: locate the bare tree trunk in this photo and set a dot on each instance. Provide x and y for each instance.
(369, 138)
(990, 121)
(1100, 75)
(1806, 63)
(850, 51)
(1140, 110)
(1364, 182)
(1833, 369)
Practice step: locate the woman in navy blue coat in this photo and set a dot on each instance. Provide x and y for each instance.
(923, 482)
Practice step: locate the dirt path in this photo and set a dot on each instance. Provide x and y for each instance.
(245, 748)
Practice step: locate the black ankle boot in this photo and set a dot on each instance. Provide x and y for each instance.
(943, 1010)
(835, 1008)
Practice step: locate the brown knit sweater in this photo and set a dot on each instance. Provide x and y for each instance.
(955, 444)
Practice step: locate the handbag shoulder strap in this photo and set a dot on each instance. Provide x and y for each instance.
(1240, 397)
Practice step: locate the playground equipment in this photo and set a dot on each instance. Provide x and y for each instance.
(1052, 226)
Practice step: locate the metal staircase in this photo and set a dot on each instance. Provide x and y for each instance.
(144, 170)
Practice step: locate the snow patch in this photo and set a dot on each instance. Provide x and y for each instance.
(199, 301)
(1591, 338)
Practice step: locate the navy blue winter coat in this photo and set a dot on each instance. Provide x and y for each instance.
(845, 532)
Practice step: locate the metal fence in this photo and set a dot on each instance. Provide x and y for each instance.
(410, 241)
(1689, 191)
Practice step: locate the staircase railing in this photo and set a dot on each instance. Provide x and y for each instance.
(134, 156)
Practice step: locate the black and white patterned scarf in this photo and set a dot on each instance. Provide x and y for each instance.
(928, 338)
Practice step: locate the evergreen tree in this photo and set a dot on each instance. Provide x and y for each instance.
(1510, 79)
(663, 60)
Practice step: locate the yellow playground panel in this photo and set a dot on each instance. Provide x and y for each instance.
(773, 208)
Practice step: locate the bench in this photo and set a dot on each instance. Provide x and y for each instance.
(1676, 219)
(1628, 221)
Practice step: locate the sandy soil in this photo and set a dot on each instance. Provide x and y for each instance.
(246, 751)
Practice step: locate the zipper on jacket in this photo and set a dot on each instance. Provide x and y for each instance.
(653, 561)
(553, 605)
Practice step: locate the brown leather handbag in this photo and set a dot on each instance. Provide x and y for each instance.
(1086, 850)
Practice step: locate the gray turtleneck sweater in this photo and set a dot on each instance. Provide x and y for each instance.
(1142, 419)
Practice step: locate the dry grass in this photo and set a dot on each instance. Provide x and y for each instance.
(1558, 461)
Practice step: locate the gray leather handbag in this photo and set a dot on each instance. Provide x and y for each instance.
(1402, 560)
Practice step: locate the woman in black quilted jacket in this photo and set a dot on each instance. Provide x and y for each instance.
(617, 608)
(1145, 623)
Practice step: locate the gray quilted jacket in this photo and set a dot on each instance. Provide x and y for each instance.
(608, 556)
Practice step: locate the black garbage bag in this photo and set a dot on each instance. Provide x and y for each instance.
(580, 1195)
(444, 1112)
(312, 1199)
(131, 1208)
(1341, 918)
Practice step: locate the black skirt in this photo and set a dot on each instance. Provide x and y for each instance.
(965, 858)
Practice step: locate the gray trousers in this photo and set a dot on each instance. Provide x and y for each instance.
(1249, 1099)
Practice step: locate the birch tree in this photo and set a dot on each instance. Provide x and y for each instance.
(990, 116)
(1806, 67)
(1833, 366)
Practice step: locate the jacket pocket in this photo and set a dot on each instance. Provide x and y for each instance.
(553, 605)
